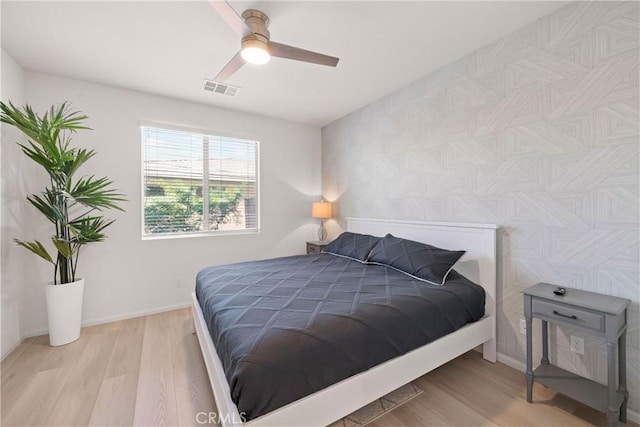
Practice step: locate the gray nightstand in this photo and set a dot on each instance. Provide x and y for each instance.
(598, 314)
(316, 246)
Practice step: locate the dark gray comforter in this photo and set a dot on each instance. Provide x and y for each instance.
(288, 327)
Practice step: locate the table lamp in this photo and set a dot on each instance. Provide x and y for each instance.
(321, 210)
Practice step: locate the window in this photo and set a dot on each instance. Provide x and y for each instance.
(198, 184)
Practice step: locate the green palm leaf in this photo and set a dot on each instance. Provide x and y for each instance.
(89, 229)
(63, 247)
(93, 193)
(47, 207)
(37, 248)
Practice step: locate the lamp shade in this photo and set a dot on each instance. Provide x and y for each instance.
(321, 210)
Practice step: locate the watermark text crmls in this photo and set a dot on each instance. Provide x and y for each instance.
(216, 418)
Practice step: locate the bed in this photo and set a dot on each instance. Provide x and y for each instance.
(397, 359)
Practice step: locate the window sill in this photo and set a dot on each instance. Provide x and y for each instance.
(200, 234)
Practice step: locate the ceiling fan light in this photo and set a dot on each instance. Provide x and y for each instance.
(255, 55)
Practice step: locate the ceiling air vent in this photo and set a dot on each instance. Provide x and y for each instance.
(221, 88)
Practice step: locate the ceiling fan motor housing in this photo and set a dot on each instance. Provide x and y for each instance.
(258, 22)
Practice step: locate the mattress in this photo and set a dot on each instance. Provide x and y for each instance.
(288, 327)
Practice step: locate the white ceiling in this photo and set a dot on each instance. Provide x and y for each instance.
(168, 48)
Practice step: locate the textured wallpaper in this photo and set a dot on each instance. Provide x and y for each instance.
(537, 132)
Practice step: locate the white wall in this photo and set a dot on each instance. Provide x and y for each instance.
(126, 275)
(12, 213)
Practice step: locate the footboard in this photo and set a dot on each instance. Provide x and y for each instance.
(334, 402)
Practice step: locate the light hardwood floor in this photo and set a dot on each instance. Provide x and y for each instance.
(149, 371)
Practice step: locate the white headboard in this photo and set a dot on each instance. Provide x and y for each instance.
(479, 240)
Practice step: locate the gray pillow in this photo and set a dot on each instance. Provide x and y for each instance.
(418, 260)
(352, 245)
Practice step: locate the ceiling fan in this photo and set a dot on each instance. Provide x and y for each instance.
(256, 45)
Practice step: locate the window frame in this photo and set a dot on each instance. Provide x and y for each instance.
(208, 233)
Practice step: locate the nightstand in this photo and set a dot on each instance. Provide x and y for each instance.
(316, 246)
(597, 314)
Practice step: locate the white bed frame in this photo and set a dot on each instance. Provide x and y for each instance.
(334, 402)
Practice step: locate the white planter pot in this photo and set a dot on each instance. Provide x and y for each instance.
(64, 310)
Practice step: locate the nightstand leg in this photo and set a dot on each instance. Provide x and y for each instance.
(545, 343)
(622, 374)
(613, 411)
(529, 374)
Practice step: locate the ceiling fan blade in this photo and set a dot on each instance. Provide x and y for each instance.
(230, 16)
(232, 66)
(297, 54)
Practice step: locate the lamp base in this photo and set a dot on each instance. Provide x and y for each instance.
(322, 232)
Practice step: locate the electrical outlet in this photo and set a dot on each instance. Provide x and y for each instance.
(577, 345)
(523, 327)
(178, 282)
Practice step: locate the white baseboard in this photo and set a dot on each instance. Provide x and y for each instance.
(115, 318)
(13, 347)
(511, 362)
(520, 366)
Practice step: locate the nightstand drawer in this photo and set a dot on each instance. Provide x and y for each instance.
(316, 246)
(568, 315)
(313, 249)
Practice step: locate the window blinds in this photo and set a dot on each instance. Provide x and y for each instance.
(198, 183)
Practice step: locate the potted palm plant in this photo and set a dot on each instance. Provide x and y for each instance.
(72, 204)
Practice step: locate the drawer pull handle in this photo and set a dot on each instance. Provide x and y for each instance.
(572, 316)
